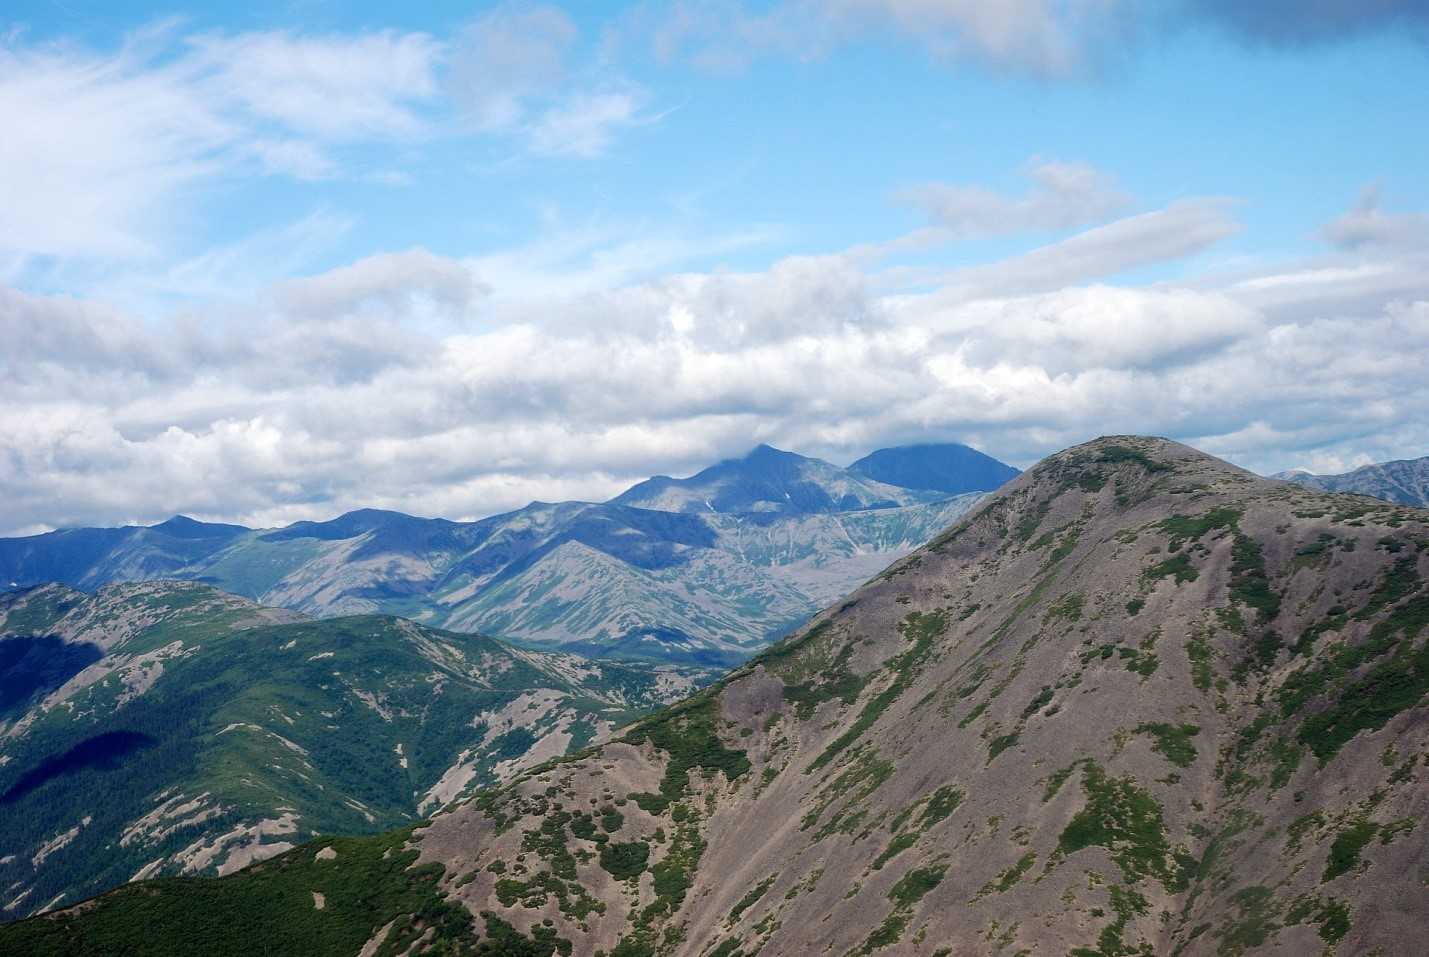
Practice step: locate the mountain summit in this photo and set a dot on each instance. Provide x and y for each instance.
(948, 467)
(770, 481)
(1137, 702)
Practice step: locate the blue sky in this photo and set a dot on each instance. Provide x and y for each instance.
(284, 261)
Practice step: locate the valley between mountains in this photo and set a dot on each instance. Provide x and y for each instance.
(1137, 701)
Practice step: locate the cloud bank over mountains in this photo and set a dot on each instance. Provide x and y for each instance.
(405, 381)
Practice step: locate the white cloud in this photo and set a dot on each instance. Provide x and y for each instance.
(1045, 36)
(511, 55)
(1368, 226)
(1181, 229)
(1099, 327)
(1063, 195)
(519, 71)
(396, 285)
(584, 124)
(94, 146)
(567, 262)
(331, 88)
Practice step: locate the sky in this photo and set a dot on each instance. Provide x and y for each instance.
(280, 260)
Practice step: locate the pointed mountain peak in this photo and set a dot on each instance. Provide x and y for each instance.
(1118, 473)
(765, 453)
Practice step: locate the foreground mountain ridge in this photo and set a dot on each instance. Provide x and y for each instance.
(167, 727)
(1138, 702)
(703, 570)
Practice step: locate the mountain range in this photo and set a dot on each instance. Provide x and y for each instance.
(703, 570)
(1138, 701)
(167, 727)
(1403, 481)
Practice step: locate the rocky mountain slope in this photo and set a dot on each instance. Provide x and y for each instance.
(1403, 481)
(1138, 702)
(165, 728)
(641, 577)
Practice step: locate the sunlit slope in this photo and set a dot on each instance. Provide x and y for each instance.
(171, 728)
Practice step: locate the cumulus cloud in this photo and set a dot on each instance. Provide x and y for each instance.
(1062, 195)
(1103, 327)
(397, 285)
(41, 331)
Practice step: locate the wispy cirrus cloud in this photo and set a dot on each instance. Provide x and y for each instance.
(94, 147)
(1179, 230)
(328, 89)
(99, 146)
(102, 148)
(521, 71)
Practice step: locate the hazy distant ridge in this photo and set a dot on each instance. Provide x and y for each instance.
(1405, 481)
(703, 569)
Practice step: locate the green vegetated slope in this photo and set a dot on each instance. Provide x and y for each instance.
(167, 728)
(1139, 702)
